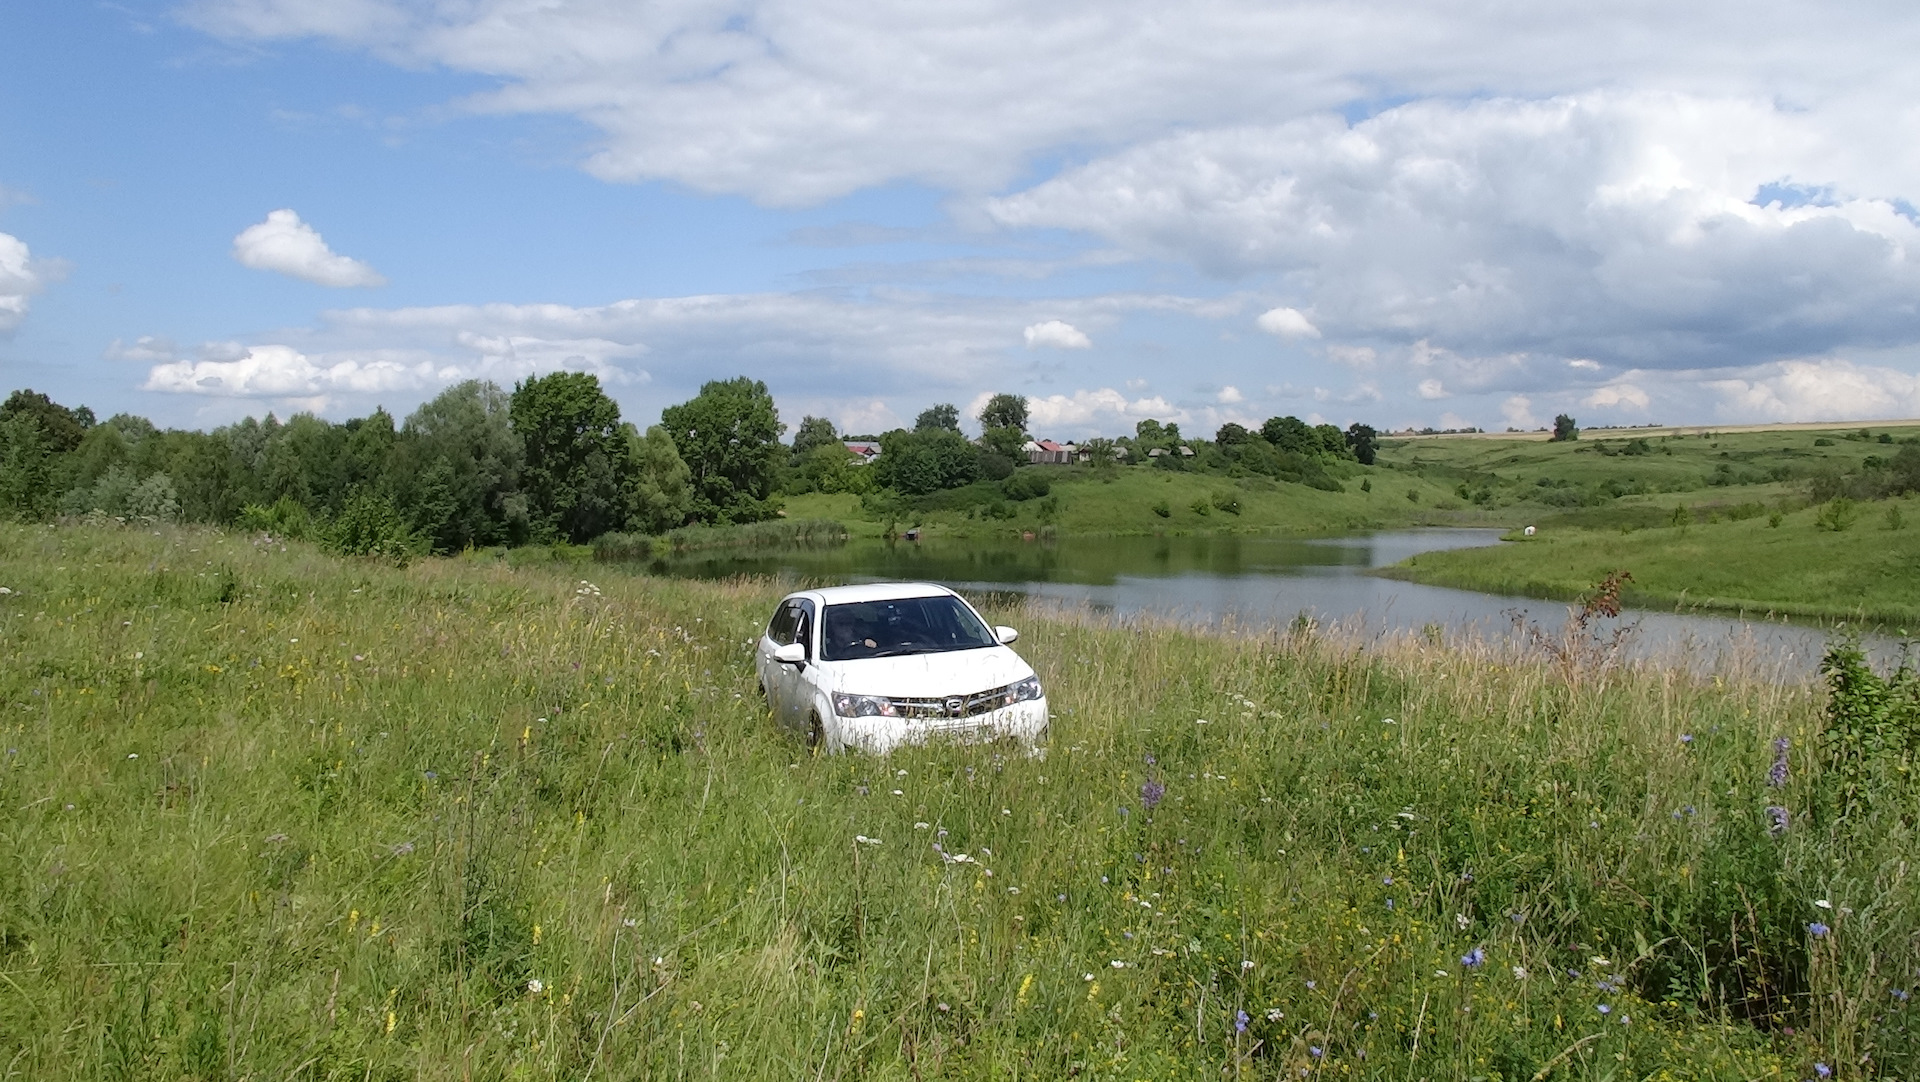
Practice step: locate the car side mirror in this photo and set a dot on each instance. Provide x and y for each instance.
(1005, 635)
(791, 654)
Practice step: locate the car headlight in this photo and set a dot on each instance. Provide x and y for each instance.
(1026, 690)
(863, 706)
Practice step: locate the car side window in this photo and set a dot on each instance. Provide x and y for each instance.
(803, 626)
(781, 629)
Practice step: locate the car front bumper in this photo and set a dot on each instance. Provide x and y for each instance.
(1024, 722)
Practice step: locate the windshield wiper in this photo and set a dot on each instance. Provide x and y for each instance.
(905, 650)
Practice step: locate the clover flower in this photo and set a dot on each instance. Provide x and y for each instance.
(1151, 793)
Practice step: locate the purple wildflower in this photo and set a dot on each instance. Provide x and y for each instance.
(1315, 1051)
(1777, 774)
(1151, 792)
(1151, 761)
(1823, 1070)
(1779, 817)
(1818, 930)
(1686, 738)
(1474, 958)
(1239, 1021)
(1900, 994)
(1604, 1009)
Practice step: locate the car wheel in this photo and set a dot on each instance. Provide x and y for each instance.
(816, 734)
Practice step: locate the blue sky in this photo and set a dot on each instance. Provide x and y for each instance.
(1424, 214)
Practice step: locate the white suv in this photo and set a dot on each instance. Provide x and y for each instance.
(874, 667)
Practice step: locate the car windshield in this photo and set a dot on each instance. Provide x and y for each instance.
(908, 625)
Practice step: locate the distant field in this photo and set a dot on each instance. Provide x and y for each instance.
(272, 815)
(1608, 477)
(1669, 430)
(1753, 538)
(1868, 572)
(1130, 501)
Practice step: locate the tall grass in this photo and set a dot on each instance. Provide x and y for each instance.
(270, 814)
(773, 532)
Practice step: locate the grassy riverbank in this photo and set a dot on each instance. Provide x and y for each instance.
(270, 814)
(1790, 565)
(1608, 478)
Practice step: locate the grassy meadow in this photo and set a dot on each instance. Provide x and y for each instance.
(1130, 500)
(1791, 563)
(269, 814)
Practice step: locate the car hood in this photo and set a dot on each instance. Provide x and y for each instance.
(929, 676)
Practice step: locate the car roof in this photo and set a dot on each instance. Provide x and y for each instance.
(875, 591)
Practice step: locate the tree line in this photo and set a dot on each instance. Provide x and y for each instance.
(553, 461)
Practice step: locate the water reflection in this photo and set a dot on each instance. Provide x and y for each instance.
(1260, 582)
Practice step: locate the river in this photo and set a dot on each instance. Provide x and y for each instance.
(1263, 581)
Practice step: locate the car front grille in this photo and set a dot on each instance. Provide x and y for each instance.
(956, 707)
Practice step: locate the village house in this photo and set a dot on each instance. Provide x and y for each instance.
(1047, 451)
(864, 451)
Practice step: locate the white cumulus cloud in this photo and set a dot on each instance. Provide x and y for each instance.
(1102, 410)
(1825, 390)
(792, 101)
(19, 280)
(1057, 334)
(276, 371)
(286, 245)
(1431, 389)
(1639, 229)
(1287, 323)
(1619, 394)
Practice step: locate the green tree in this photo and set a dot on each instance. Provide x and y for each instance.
(369, 443)
(1564, 429)
(660, 492)
(26, 469)
(35, 434)
(1005, 411)
(916, 463)
(576, 456)
(100, 450)
(1007, 442)
(1231, 434)
(830, 468)
(1363, 441)
(1290, 434)
(1100, 452)
(813, 432)
(61, 428)
(1332, 442)
(729, 436)
(456, 469)
(936, 418)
